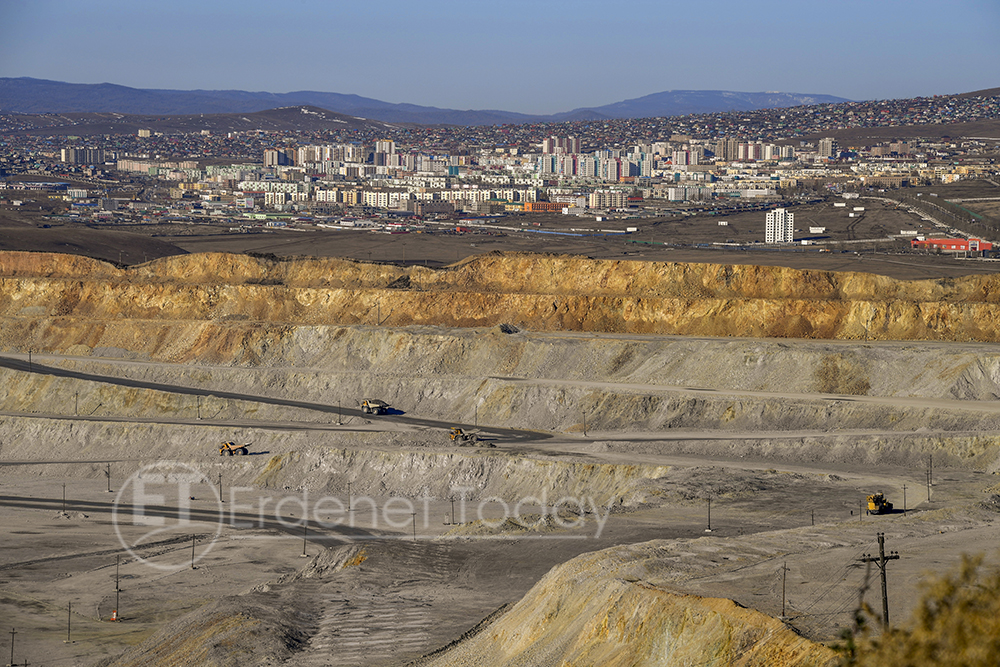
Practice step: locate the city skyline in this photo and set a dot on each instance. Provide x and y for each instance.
(516, 56)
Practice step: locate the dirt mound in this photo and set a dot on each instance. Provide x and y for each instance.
(605, 609)
(225, 633)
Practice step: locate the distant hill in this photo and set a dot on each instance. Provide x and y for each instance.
(684, 102)
(989, 92)
(296, 118)
(26, 95)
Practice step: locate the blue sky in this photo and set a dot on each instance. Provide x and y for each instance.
(532, 56)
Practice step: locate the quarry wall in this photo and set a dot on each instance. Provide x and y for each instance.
(289, 329)
(538, 292)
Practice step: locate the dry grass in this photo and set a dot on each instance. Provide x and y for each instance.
(956, 623)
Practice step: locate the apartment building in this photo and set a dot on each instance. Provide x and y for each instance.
(779, 226)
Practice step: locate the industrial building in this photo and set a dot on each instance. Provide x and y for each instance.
(951, 245)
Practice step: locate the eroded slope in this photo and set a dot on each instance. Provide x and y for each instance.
(59, 298)
(605, 608)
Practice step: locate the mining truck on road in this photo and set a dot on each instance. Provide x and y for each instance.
(458, 435)
(373, 406)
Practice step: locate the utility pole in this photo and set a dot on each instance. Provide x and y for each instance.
(904, 500)
(118, 589)
(930, 469)
(584, 423)
(76, 404)
(881, 561)
(64, 498)
(69, 621)
(220, 487)
(784, 571)
(12, 633)
(192, 552)
(928, 475)
(305, 530)
(108, 475)
(709, 529)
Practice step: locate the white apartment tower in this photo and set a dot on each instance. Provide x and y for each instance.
(780, 226)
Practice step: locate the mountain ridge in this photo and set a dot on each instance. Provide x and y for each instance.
(298, 118)
(36, 96)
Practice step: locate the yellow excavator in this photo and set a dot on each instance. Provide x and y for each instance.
(231, 448)
(877, 504)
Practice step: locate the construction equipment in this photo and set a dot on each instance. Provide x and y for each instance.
(231, 448)
(458, 435)
(877, 504)
(373, 406)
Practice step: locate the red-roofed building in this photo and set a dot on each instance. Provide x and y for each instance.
(952, 245)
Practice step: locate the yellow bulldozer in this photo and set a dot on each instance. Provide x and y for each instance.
(231, 449)
(877, 504)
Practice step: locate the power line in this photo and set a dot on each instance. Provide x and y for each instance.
(836, 579)
(881, 562)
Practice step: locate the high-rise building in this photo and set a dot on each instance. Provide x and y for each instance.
(611, 169)
(727, 149)
(569, 145)
(586, 166)
(82, 155)
(827, 147)
(548, 164)
(750, 151)
(780, 226)
(278, 157)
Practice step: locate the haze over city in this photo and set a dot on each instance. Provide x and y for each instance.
(515, 55)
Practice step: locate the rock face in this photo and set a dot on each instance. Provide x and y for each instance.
(605, 608)
(62, 297)
(284, 329)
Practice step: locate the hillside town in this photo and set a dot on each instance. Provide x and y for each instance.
(599, 171)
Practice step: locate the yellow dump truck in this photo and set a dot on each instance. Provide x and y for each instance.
(877, 504)
(458, 435)
(231, 448)
(373, 406)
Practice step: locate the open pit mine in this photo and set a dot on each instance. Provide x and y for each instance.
(658, 464)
